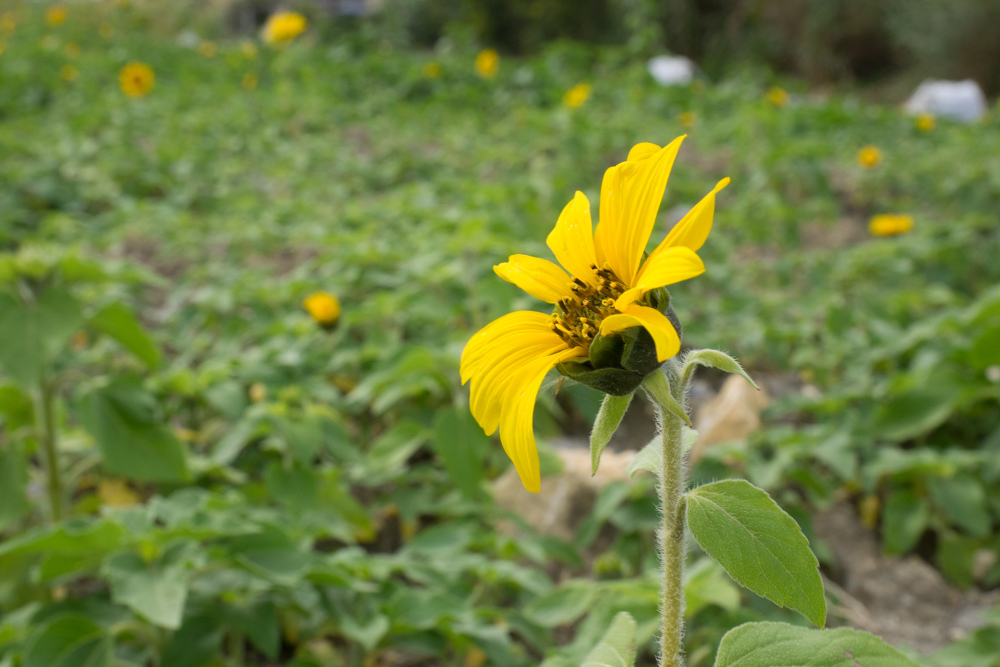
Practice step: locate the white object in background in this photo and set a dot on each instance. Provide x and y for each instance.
(959, 100)
(671, 70)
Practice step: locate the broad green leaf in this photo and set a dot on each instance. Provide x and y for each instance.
(714, 359)
(918, 409)
(562, 605)
(650, 457)
(706, 583)
(617, 647)
(783, 645)
(461, 445)
(69, 640)
(16, 408)
(157, 589)
(609, 417)
(77, 536)
(423, 609)
(389, 453)
(956, 556)
(196, 644)
(962, 499)
(33, 334)
(260, 624)
(985, 350)
(122, 419)
(367, 632)
(118, 322)
(978, 650)
(903, 521)
(758, 543)
(271, 554)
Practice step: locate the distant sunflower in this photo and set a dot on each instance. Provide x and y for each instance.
(577, 95)
(282, 27)
(136, 79)
(890, 224)
(487, 63)
(869, 157)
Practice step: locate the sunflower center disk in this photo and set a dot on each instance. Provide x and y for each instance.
(578, 319)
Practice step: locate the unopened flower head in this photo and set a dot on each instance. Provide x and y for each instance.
(487, 63)
(890, 224)
(55, 15)
(577, 95)
(925, 122)
(432, 70)
(869, 157)
(282, 27)
(612, 323)
(324, 308)
(136, 79)
(778, 97)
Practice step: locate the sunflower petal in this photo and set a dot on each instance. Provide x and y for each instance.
(517, 423)
(630, 198)
(694, 227)
(572, 239)
(538, 277)
(481, 345)
(665, 268)
(642, 151)
(656, 323)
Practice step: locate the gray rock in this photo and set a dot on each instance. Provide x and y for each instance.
(959, 100)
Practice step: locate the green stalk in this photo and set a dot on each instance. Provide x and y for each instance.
(45, 429)
(671, 534)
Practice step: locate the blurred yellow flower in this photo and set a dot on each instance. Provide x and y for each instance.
(72, 50)
(55, 15)
(432, 70)
(926, 122)
(487, 63)
(687, 119)
(323, 307)
(577, 95)
(106, 30)
(777, 96)
(69, 73)
(258, 392)
(136, 79)
(476, 657)
(8, 21)
(116, 493)
(890, 225)
(248, 49)
(249, 82)
(208, 49)
(869, 157)
(282, 27)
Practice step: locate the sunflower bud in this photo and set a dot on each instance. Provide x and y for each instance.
(619, 362)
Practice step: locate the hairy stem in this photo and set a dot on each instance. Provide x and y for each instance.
(45, 428)
(671, 488)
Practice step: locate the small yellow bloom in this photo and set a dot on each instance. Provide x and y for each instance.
(55, 15)
(687, 119)
(476, 657)
(577, 95)
(324, 308)
(8, 22)
(777, 96)
(432, 70)
(106, 30)
(890, 225)
(602, 291)
(208, 49)
(926, 122)
(487, 63)
(136, 79)
(248, 49)
(258, 392)
(72, 50)
(249, 82)
(116, 493)
(869, 157)
(69, 73)
(282, 27)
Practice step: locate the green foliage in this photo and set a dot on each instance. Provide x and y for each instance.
(609, 418)
(617, 646)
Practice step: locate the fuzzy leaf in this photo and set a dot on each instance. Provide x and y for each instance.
(783, 645)
(715, 359)
(608, 419)
(617, 647)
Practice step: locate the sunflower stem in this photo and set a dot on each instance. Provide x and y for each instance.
(671, 488)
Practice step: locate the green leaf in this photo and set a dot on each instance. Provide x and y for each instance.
(69, 640)
(389, 453)
(195, 644)
(783, 645)
(956, 556)
(123, 421)
(985, 350)
(705, 584)
(918, 409)
(118, 322)
(77, 536)
(562, 605)
(758, 543)
(260, 624)
(658, 387)
(962, 499)
(903, 521)
(715, 359)
(609, 417)
(650, 457)
(156, 590)
(14, 503)
(617, 647)
(461, 446)
(33, 334)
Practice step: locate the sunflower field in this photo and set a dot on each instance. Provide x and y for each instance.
(238, 273)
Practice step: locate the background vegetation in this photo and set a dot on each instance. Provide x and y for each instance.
(241, 486)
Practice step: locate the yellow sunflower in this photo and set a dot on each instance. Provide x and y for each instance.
(604, 293)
